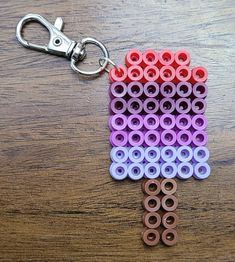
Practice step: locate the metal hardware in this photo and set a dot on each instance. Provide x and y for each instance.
(61, 45)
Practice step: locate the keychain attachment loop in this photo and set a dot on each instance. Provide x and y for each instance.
(59, 44)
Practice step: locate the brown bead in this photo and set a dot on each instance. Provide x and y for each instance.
(151, 187)
(150, 236)
(168, 186)
(169, 203)
(169, 237)
(170, 220)
(151, 219)
(151, 203)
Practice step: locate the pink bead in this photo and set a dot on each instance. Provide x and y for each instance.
(118, 122)
(167, 105)
(118, 138)
(118, 89)
(184, 138)
(136, 138)
(151, 89)
(135, 122)
(199, 106)
(183, 105)
(200, 138)
(184, 89)
(167, 121)
(199, 122)
(151, 121)
(183, 121)
(152, 138)
(168, 89)
(118, 105)
(151, 105)
(135, 89)
(135, 105)
(168, 137)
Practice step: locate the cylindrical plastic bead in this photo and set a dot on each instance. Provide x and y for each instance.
(168, 137)
(200, 90)
(152, 138)
(135, 73)
(184, 89)
(151, 187)
(165, 58)
(118, 89)
(183, 105)
(118, 122)
(150, 57)
(184, 138)
(118, 171)
(152, 154)
(136, 154)
(201, 154)
(167, 74)
(182, 74)
(167, 105)
(170, 220)
(168, 170)
(151, 121)
(184, 153)
(118, 74)
(151, 219)
(167, 121)
(169, 237)
(200, 138)
(151, 89)
(168, 89)
(199, 122)
(151, 73)
(168, 186)
(119, 154)
(133, 57)
(151, 105)
(152, 170)
(183, 121)
(118, 138)
(135, 122)
(199, 106)
(150, 236)
(169, 203)
(135, 89)
(201, 171)
(199, 74)
(185, 170)
(136, 138)
(182, 58)
(151, 203)
(134, 105)
(118, 105)
(135, 171)
(168, 153)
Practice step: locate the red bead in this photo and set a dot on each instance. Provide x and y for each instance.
(150, 58)
(133, 57)
(118, 75)
(182, 58)
(166, 58)
(151, 73)
(135, 73)
(167, 74)
(182, 74)
(199, 74)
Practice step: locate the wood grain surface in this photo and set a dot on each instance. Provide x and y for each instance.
(57, 200)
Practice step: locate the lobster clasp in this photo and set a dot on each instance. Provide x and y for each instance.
(59, 44)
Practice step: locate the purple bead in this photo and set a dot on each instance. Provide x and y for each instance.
(119, 154)
(168, 89)
(136, 154)
(151, 121)
(118, 89)
(168, 170)
(200, 138)
(201, 171)
(118, 105)
(184, 138)
(168, 153)
(135, 171)
(152, 138)
(199, 106)
(135, 122)
(136, 138)
(135, 105)
(118, 122)
(201, 154)
(118, 171)
(168, 137)
(152, 154)
(118, 138)
(151, 89)
(184, 170)
(199, 122)
(183, 105)
(183, 121)
(152, 170)
(167, 121)
(150, 105)
(184, 153)
(200, 90)
(184, 89)
(135, 89)
(167, 105)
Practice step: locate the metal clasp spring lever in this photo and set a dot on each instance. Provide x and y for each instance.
(61, 45)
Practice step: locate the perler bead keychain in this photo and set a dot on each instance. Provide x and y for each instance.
(157, 122)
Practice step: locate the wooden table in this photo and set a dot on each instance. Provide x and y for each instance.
(57, 200)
